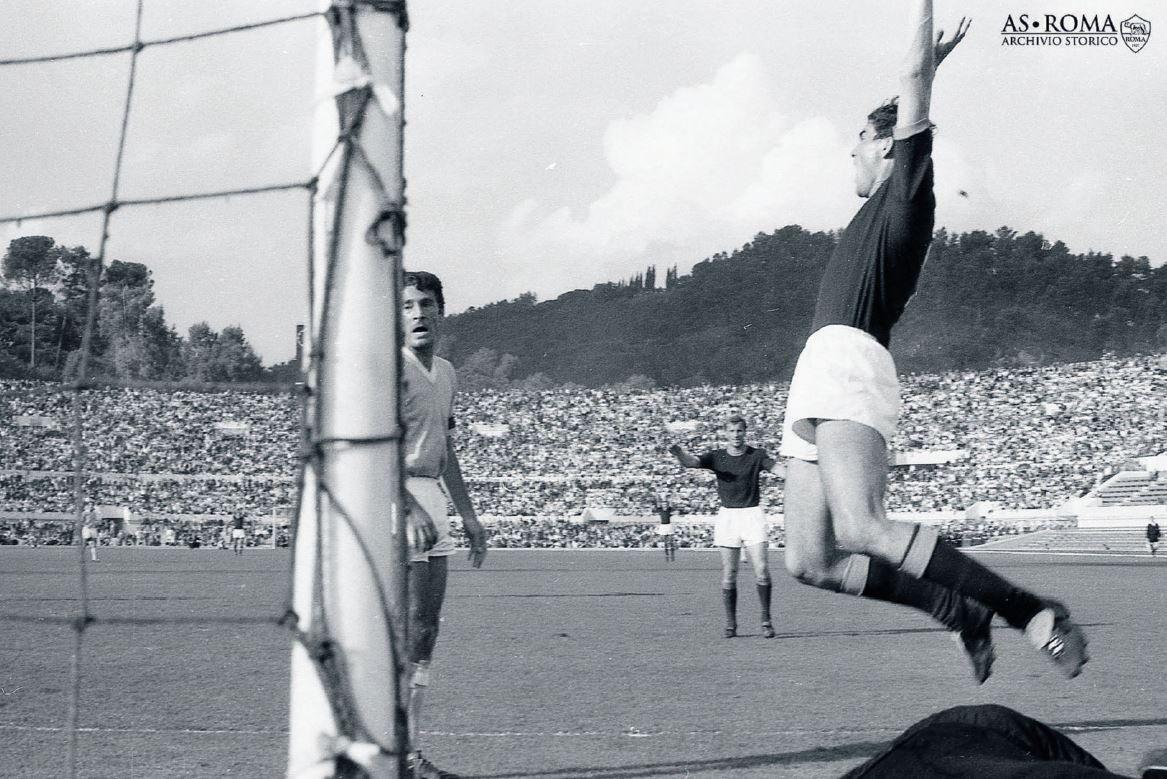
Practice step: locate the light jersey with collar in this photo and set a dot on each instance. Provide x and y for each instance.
(874, 269)
(427, 411)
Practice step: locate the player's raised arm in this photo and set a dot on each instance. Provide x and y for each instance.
(774, 466)
(918, 70)
(683, 457)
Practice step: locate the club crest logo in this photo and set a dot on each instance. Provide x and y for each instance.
(1135, 32)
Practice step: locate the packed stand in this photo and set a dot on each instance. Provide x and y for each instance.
(1030, 438)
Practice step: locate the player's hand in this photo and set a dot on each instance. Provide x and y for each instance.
(675, 450)
(419, 526)
(476, 535)
(943, 47)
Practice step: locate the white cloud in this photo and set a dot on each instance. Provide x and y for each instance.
(711, 165)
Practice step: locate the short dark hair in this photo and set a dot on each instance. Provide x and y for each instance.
(426, 282)
(883, 119)
(734, 418)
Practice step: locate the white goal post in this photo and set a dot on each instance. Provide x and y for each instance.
(350, 550)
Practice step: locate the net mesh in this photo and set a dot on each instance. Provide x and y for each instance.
(387, 232)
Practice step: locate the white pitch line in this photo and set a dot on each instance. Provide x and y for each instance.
(629, 733)
(163, 731)
(1059, 553)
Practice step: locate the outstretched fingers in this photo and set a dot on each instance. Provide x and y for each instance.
(943, 47)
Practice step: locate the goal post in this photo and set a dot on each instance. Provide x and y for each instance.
(350, 550)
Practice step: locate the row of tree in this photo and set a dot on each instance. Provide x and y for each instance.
(43, 317)
(984, 299)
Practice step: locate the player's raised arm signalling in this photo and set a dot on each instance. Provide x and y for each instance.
(683, 457)
(740, 522)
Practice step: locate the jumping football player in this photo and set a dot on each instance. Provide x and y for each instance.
(844, 400)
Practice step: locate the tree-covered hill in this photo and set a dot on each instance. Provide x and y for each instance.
(983, 299)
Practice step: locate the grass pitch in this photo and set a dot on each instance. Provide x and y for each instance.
(556, 664)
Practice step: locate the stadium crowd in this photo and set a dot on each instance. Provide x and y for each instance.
(1026, 438)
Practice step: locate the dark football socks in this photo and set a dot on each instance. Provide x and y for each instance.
(886, 583)
(764, 599)
(957, 571)
(729, 598)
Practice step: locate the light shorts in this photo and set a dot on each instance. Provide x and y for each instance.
(664, 530)
(842, 373)
(737, 527)
(428, 493)
(237, 532)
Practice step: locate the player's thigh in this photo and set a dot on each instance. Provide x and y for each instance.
(436, 588)
(810, 536)
(853, 470)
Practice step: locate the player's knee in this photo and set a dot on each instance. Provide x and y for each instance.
(421, 674)
(423, 638)
(808, 569)
(858, 536)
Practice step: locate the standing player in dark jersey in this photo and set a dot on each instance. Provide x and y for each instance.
(844, 401)
(740, 522)
(664, 511)
(238, 534)
(1153, 536)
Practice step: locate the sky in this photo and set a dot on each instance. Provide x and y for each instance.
(555, 144)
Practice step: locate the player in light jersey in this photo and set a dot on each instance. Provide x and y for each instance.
(740, 521)
(427, 413)
(89, 521)
(843, 405)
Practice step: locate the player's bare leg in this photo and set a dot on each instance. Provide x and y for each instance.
(760, 560)
(427, 591)
(853, 469)
(730, 556)
(814, 557)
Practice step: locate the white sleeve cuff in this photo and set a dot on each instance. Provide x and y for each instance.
(907, 131)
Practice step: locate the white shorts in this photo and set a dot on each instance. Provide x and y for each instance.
(738, 527)
(237, 532)
(842, 373)
(664, 530)
(428, 493)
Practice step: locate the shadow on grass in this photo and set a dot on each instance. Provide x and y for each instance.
(856, 752)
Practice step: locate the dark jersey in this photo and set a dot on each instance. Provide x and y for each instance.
(874, 269)
(737, 476)
(664, 511)
(237, 522)
(1153, 532)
